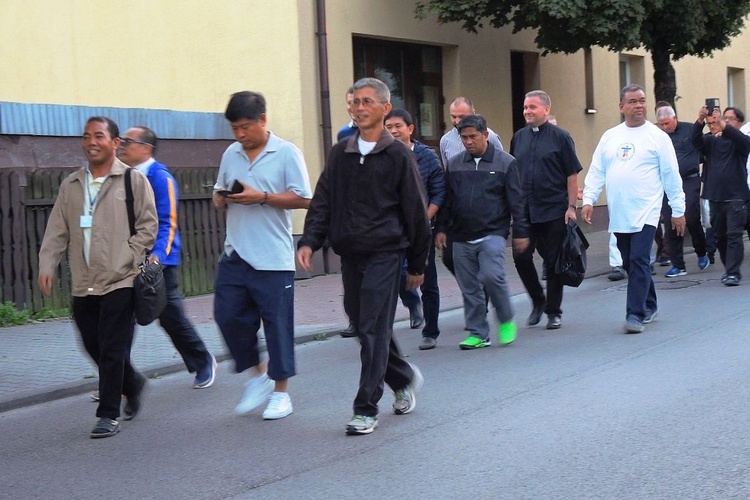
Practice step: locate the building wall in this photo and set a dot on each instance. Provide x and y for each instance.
(190, 55)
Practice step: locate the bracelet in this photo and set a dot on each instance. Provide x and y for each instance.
(265, 198)
(574, 207)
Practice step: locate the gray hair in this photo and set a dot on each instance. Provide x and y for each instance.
(542, 96)
(665, 112)
(381, 89)
(630, 88)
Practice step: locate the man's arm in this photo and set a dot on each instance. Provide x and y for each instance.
(54, 243)
(417, 226)
(166, 198)
(518, 206)
(570, 213)
(435, 183)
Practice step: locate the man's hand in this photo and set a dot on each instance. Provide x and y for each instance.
(441, 240)
(520, 244)
(570, 214)
(702, 114)
(586, 212)
(413, 281)
(153, 258)
(219, 201)
(45, 284)
(678, 224)
(248, 196)
(304, 258)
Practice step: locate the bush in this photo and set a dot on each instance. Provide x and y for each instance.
(9, 315)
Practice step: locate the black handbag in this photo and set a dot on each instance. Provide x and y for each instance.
(149, 289)
(571, 263)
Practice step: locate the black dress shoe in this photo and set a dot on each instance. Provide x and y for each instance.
(416, 317)
(554, 322)
(536, 315)
(349, 331)
(133, 403)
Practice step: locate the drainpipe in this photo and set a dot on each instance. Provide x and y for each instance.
(325, 93)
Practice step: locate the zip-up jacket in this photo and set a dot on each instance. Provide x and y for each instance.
(114, 254)
(370, 203)
(482, 198)
(725, 168)
(168, 245)
(431, 172)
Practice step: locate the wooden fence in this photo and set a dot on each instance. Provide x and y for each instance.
(26, 200)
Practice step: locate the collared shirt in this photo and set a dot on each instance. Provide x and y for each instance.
(638, 165)
(546, 158)
(143, 167)
(261, 234)
(451, 144)
(90, 195)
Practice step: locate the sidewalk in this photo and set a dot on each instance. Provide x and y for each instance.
(43, 361)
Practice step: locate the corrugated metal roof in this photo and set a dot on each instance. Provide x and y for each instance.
(67, 121)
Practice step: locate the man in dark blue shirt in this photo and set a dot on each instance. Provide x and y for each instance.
(688, 158)
(399, 123)
(549, 174)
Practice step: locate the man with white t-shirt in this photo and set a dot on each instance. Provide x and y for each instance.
(637, 162)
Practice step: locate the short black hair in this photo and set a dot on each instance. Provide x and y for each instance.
(475, 121)
(400, 113)
(148, 135)
(245, 104)
(738, 113)
(112, 128)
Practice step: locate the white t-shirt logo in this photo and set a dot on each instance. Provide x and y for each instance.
(625, 151)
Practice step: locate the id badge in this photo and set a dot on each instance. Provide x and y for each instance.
(87, 221)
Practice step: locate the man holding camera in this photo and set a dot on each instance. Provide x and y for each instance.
(725, 186)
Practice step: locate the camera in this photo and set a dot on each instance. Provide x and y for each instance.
(711, 103)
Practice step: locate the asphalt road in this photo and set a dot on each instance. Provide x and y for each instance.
(584, 412)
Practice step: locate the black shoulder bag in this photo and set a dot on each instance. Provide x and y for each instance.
(149, 289)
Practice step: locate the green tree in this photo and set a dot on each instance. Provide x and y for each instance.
(668, 29)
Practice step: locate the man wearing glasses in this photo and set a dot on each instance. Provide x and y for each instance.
(137, 150)
(370, 203)
(688, 159)
(725, 184)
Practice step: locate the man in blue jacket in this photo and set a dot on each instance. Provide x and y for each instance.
(137, 150)
(400, 124)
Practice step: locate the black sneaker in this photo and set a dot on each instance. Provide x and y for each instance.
(731, 280)
(105, 427)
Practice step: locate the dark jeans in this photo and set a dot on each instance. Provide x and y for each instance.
(371, 292)
(547, 238)
(728, 218)
(692, 188)
(244, 297)
(106, 324)
(430, 296)
(662, 244)
(179, 328)
(636, 260)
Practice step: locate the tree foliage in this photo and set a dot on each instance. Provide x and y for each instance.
(669, 29)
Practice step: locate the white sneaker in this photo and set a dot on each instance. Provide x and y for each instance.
(279, 406)
(406, 398)
(257, 390)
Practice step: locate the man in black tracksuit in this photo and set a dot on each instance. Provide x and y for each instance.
(484, 192)
(369, 202)
(725, 187)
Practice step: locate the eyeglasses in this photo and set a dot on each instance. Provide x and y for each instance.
(128, 141)
(365, 102)
(731, 118)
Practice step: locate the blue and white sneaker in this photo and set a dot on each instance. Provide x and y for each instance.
(206, 376)
(675, 272)
(703, 262)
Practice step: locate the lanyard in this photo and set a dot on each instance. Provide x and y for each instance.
(92, 201)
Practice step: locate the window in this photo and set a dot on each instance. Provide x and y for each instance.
(413, 74)
(736, 87)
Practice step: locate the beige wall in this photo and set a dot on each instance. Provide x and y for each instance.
(190, 55)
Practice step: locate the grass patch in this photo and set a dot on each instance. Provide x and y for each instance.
(45, 313)
(10, 316)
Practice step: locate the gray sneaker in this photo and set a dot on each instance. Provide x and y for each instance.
(361, 424)
(427, 343)
(406, 398)
(650, 316)
(617, 274)
(633, 325)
